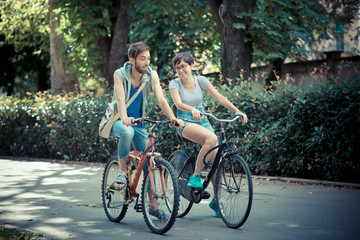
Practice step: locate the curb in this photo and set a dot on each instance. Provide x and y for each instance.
(50, 160)
(309, 181)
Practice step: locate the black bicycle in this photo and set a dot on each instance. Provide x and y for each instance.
(233, 182)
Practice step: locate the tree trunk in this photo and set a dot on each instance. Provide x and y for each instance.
(43, 76)
(236, 54)
(61, 82)
(7, 68)
(276, 66)
(113, 49)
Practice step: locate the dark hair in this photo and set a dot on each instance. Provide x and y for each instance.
(187, 57)
(136, 48)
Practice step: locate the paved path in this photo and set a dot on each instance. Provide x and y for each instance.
(63, 201)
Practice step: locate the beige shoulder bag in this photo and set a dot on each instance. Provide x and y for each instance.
(112, 115)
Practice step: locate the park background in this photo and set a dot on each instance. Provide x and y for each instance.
(291, 66)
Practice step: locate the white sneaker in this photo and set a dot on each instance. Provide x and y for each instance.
(121, 178)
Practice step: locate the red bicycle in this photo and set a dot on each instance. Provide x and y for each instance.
(159, 191)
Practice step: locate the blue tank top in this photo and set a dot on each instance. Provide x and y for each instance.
(134, 110)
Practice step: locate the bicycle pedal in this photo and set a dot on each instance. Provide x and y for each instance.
(108, 195)
(205, 195)
(138, 207)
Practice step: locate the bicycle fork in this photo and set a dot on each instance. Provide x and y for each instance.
(152, 179)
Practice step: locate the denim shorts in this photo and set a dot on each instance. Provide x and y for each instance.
(188, 118)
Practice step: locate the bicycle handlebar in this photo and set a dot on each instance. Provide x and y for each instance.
(222, 120)
(172, 122)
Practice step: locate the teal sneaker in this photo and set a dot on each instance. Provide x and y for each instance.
(213, 206)
(161, 215)
(195, 182)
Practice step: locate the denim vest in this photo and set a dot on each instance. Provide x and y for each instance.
(124, 74)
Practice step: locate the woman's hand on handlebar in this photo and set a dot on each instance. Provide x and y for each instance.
(196, 114)
(178, 123)
(243, 117)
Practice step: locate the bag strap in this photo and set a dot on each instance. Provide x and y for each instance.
(135, 95)
(117, 116)
(107, 128)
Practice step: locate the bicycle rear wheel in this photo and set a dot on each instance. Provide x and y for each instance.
(234, 191)
(114, 202)
(177, 160)
(160, 207)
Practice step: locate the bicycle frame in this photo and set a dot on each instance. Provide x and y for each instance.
(222, 147)
(140, 158)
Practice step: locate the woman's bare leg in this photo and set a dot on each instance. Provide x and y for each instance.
(206, 138)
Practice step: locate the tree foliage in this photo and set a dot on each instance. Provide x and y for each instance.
(169, 27)
(95, 34)
(289, 29)
(78, 26)
(282, 28)
(25, 24)
(24, 46)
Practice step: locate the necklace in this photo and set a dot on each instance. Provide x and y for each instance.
(188, 86)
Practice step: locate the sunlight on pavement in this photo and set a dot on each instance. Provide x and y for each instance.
(24, 217)
(59, 180)
(44, 196)
(22, 207)
(9, 192)
(84, 171)
(284, 224)
(64, 201)
(46, 193)
(89, 226)
(59, 220)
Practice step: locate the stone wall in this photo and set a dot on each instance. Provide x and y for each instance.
(301, 71)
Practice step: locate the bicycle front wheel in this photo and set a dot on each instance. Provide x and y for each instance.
(114, 202)
(160, 197)
(234, 191)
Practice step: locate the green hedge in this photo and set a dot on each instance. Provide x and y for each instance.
(293, 132)
(54, 127)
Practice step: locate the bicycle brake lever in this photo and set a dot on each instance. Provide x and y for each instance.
(174, 123)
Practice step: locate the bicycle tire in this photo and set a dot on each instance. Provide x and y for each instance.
(177, 160)
(234, 191)
(114, 204)
(167, 203)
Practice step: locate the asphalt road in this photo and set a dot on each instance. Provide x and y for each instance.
(63, 201)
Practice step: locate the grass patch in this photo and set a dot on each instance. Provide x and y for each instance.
(8, 232)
